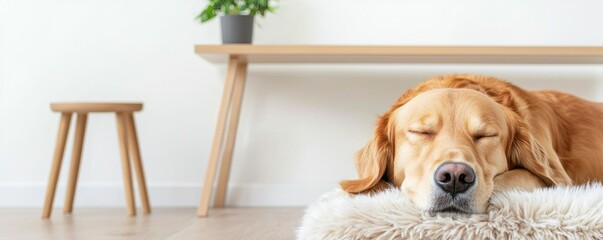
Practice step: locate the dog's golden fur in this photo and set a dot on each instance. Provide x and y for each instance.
(512, 138)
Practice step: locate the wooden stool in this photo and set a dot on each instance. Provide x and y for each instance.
(128, 144)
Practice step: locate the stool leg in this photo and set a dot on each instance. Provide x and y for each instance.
(134, 150)
(76, 155)
(125, 163)
(237, 98)
(55, 169)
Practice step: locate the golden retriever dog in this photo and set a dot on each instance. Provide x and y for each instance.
(452, 141)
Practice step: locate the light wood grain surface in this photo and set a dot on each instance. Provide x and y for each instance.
(129, 149)
(86, 107)
(125, 163)
(212, 164)
(76, 157)
(57, 160)
(164, 223)
(402, 54)
(224, 170)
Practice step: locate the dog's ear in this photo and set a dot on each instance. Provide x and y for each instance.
(524, 150)
(528, 153)
(372, 160)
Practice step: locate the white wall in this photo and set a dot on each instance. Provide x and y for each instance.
(300, 124)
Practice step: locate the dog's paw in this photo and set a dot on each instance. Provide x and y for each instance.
(517, 179)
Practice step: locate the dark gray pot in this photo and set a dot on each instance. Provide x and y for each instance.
(237, 28)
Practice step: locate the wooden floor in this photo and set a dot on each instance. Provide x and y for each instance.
(163, 223)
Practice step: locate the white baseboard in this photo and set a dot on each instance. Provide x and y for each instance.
(163, 195)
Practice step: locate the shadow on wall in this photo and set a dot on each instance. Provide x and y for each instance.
(584, 83)
(310, 121)
(365, 92)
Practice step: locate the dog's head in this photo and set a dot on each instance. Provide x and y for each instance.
(444, 141)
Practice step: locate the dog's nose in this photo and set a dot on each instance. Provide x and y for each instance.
(454, 177)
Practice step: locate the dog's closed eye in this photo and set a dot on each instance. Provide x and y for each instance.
(426, 133)
(478, 137)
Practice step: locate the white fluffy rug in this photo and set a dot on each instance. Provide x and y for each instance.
(554, 213)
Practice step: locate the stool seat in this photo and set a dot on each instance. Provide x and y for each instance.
(85, 107)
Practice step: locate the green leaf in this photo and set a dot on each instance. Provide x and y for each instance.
(227, 6)
(236, 7)
(207, 14)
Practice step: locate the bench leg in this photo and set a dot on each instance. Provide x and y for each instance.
(76, 156)
(137, 162)
(125, 163)
(55, 168)
(218, 135)
(237, 98)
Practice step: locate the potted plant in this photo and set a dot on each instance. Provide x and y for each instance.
(237, 17)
